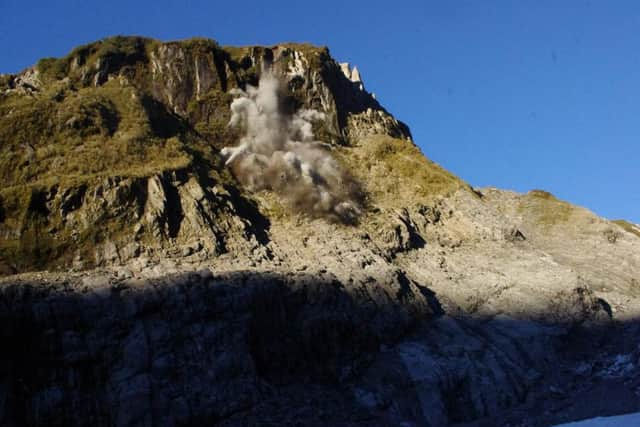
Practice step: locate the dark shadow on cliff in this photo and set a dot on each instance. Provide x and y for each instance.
(164, 123)
(249, 210)
(198, 348)
(64, 348)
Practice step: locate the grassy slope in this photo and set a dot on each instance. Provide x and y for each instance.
(545, 209)
(394, 172)
(73, 132)
(627, 226)
(91, 132)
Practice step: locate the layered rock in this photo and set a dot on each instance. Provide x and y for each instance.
(166, 104)
(176, 297)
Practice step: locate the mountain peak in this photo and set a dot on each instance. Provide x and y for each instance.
(132, 117)
(206, 234)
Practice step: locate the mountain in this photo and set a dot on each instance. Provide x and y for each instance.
(308, 265)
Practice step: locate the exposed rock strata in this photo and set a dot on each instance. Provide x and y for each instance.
(177, 298)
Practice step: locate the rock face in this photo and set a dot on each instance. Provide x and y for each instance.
(164, 108)
(186, 347)
(173, 296)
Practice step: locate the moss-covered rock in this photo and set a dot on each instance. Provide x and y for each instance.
(87, 134)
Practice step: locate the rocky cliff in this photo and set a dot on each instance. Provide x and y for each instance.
(145, 286)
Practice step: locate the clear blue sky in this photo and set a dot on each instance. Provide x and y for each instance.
(514, 94)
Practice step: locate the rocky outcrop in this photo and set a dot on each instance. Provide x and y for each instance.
(104, 351)
(171, 95)
(246, 346)
(176, 297)
(119, 219)
(181, 75)
(25, 83)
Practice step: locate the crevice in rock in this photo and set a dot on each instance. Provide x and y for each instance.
(173, 211)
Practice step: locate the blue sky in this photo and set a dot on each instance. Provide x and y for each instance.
(512, 94)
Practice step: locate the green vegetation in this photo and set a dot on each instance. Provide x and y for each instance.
(211, 115)
(65, 137)
(104, 112)
(34, 245)
(113, 51)
(105, 130)
(199, 45)
(545, 208)
(5, 80)
(53, 68)
(118, 48)
(627, 226)
(542, 194)
(41, 239)
(395, 169)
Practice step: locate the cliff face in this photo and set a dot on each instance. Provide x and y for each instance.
(120, 139)
(174, 296)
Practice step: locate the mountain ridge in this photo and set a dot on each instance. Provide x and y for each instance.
(176, 296)
(144, 137)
